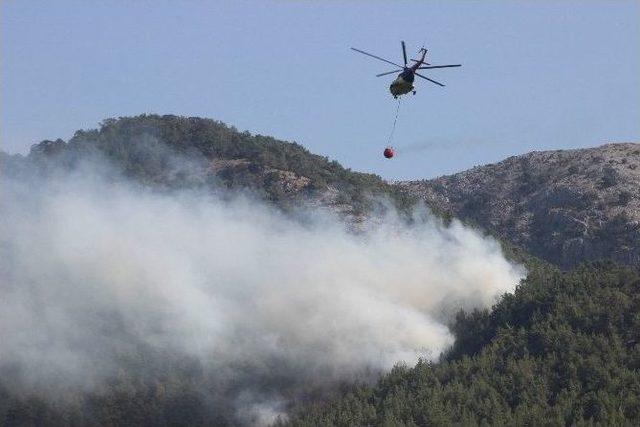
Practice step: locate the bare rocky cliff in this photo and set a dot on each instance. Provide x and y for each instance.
(564, 206)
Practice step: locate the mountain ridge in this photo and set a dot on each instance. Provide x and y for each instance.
(561, 206)
(215, 156)
(562, 347)
(564, 206)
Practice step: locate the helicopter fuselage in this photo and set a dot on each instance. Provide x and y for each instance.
(403, 83)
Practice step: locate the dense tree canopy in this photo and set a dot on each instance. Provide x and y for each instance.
(174, 151)
(563, 350)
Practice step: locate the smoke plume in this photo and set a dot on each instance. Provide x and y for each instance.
(93, 270)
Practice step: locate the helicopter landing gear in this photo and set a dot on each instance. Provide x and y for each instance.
(414, 92)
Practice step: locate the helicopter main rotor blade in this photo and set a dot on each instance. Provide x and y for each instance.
(427, 78)
(388, 72)
(376, 57)
(404, 53)
(439, 66)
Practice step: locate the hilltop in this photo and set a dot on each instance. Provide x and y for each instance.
(564, 206)
(190, 152)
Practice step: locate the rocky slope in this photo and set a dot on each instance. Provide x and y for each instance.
(564, 206)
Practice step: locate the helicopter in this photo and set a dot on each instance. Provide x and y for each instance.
(404, 82)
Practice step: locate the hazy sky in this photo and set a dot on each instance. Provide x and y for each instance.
(535, 75)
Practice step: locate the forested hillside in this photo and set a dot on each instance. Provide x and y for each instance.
(563, 350)
(176, 153)
(179, 152)
(138, 287)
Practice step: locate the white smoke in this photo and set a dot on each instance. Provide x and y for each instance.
(89, 266)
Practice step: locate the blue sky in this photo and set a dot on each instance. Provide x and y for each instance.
(535, 75)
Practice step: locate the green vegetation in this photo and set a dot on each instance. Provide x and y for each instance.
(180, 152)
(215, 155)
(563, 350)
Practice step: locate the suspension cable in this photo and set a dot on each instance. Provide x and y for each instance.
(395, 120)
